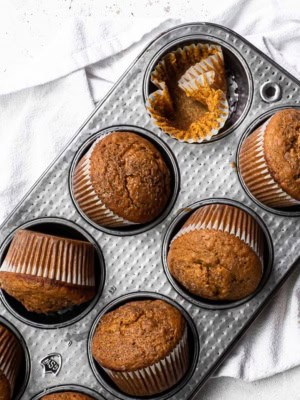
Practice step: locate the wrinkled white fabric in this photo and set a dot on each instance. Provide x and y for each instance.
(47, 95)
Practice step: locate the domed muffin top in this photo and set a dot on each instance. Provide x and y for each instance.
(130, 176)
(137, 335)
(67, 396)
(214, 265)
(282, 150)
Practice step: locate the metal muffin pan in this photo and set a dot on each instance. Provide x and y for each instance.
(68, 388)
(133, 263)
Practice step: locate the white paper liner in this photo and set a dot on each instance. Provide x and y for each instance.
(208, 73)
(226, 218)
(158, 377)
(256, 174)
(87, 198)
(10, 356)
(51, 257)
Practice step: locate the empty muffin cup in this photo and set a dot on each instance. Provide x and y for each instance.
(197, 89)
(269, 160)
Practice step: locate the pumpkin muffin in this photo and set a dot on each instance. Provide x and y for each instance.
(10, 360)
(141, 339)
(270, 160)
(191, 101)
(48, 273)
(218, 253)
(67, 396)
(122, 180)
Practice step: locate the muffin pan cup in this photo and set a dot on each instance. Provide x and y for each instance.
(166, 376)
(112, 221)
(257, 180)
(133, 254)
(8, 350)
(68, 388)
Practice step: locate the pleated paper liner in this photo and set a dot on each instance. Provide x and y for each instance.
(256, 174)
(10, 356)
(50, 257)
(226, 218)
(158, 377)
(191, 103)
(87, 198)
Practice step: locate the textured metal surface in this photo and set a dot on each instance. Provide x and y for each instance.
(134, 263)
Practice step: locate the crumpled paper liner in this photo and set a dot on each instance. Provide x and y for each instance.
(256, 174)
(51, 257)
(158, 377)
(10, 356)
(226, 218)
(87, 198)
(191, 103)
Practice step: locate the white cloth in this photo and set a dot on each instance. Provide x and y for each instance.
(46, 95)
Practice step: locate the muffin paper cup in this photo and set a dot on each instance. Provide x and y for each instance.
(256, 174)
(50, 257)
(158, 377)
(10, 356)
(199, 72)
(228, 219)
(87, 198)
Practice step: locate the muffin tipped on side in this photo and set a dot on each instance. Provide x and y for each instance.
(218, 253)
(48, 273)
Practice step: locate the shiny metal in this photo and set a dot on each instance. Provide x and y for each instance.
(270, 92)
(133, 263)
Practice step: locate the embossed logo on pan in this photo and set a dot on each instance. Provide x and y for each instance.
(52, 364)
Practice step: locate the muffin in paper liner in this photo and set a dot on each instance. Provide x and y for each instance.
(87, 198)
(67, 396)
(191, 103)
(123, 180)
(158, 377)
(218, 253)
(226, 218)
(256, 172)
(48, 266)
(10, 360)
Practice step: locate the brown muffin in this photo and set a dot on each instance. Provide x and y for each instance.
(10, 360)
(5, 391)
(48, 273)
(136, 336)
(67, 396)
(217, 254)
(122, 180)
(270, 160)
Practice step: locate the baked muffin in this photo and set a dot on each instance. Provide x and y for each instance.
(218, 253)
(67, 396)
(122, 180)
(10, 360)
(270, 160)
(191, 101)
(48, 273)
(142, 346)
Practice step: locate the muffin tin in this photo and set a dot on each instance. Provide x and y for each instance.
(133, 260)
